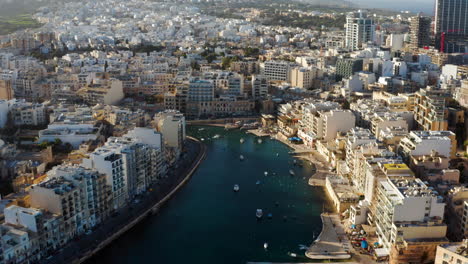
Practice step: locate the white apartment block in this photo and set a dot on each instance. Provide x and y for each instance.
(46, 227)
(360, 29)
(356, 137)
(200, 90)
(381, 122)
(408, 209)
(25, 113)
(172, 126)
(259, 86)
(93, 189)
(132, 163)
(276, 70)
(16, 244)
(74, 126)
(108, 161)
(419, 143)
(326, 124)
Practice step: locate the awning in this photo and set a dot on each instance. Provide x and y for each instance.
(381, 252)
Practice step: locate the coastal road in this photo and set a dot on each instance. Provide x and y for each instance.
(139, 205)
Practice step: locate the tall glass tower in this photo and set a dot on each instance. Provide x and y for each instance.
(451, 26)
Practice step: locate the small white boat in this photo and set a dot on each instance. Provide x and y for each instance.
(277, 154)
(201, 129)
(266, 173)
(202, 139)
(295, 162)
(265, 245)
(236, 187)
(259, 213)
(291, 172)
(216, 136)
(241, 157)
(259, 141)
(292, 254)
(241, 140)
(303, 247)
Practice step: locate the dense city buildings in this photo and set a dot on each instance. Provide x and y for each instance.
(95, 105)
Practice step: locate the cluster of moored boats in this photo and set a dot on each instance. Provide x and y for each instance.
(241, 125)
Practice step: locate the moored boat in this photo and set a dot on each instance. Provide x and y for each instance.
(236, 187)
(259, 213)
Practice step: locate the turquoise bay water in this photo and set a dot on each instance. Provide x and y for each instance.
(206, 222)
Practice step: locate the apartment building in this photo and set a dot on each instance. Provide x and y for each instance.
(93, 188)
(408, 214)
(381, 122)
(259, 87)
(200, 90)
(102, 91)
(302, 77)
(73, 125)
(6, 89)
(429, 109)
(356, 137)
(277, 70)
(17, 245)
(171, 124)
(131, 163)
(62, 197)
(46, 227)
(452, 253)
(457, 213)
(27, 114)
(418, 143)
(360, 30)
(327, 124)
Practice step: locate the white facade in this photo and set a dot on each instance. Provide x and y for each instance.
(259, 86)
(360, 30)
(131, 163)
(420, 143)
(408, 209)
(276, 70)
(20, 216)
(172, 126)
(335, 121)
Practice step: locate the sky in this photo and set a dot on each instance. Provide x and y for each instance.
(426, 6)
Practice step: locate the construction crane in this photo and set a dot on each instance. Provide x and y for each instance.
(442, 38)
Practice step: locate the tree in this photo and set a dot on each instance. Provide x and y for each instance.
(57, 142)
(195, 65)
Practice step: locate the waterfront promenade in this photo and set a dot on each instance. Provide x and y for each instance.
(332, 242)
(86, 246)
